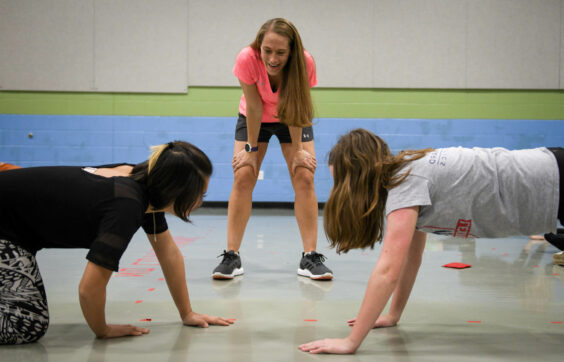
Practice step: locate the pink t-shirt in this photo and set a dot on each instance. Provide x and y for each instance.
(250, 69)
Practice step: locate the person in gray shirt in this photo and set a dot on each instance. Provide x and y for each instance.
(462, 192)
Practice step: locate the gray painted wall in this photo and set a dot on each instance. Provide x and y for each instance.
(167, 45)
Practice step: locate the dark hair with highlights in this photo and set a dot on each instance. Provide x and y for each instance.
(364, 171)
(295, 107)
(175, 173)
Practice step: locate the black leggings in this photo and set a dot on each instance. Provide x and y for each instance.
(24, 315)
(559, 154)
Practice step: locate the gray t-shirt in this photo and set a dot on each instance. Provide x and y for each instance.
(481, 192)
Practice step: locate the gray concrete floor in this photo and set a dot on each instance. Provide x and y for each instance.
(513, 290)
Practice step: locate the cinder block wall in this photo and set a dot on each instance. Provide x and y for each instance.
(39, 129)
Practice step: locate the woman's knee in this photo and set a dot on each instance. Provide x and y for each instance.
(303, 179)
(21, 330)
(24, 314)
(244, 179)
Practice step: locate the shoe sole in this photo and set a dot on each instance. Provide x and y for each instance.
(307, 273)
(221, 276)
(559, 258)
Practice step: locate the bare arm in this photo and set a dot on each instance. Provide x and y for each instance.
(405, 284)
(302, 158)
(384, 279)
(172, 264)
(296, 135)
(408, 276)
(254, 111)
(92, 296)
(254, 120)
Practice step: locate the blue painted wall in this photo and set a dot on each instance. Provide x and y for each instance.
(37, 140)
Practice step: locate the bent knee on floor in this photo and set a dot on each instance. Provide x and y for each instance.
(21, 330)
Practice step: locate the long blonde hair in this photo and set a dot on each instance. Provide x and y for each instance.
(295, 107)
(364, 171)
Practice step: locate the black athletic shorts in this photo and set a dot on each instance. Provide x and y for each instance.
(268, 129)
(559, 154)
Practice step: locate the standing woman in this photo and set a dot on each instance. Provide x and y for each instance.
(98, 209)
(276, 74)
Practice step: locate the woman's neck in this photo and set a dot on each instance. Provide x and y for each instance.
(275, 82)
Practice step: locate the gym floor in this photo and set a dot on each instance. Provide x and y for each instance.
(509, 306)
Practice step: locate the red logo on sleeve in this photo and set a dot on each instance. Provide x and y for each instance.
(462, 228)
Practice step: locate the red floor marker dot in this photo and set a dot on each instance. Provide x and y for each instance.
(536, 266)
(556, 322)
(232, 319)
(161, 278)
(145, 320)
(310, 320)
(151, 289)
(505, 254)
(556, 274)
(474, 321)
(138, 301)
(457, 265)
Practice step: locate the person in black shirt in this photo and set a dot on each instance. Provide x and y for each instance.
(99, 209)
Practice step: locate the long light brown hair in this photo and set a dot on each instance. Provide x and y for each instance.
(364, 171)
(295, 107)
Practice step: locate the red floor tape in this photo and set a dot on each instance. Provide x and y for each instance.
(457, 265)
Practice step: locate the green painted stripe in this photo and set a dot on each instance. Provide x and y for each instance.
(329, 103)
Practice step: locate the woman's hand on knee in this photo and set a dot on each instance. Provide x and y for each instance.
(302, 158)
(244, 158)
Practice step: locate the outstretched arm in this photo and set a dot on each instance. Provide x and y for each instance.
(384, 279)
(172, 264)
(408, 276)
(92, 296)
(405, 284)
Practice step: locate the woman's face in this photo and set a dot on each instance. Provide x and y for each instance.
(201, 200)
(274, 51)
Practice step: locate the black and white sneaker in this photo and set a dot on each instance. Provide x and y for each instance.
(229, 267)
(559, 258)
(556, 239)
(312, 266)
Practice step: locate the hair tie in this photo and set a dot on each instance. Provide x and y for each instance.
(170, 145)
